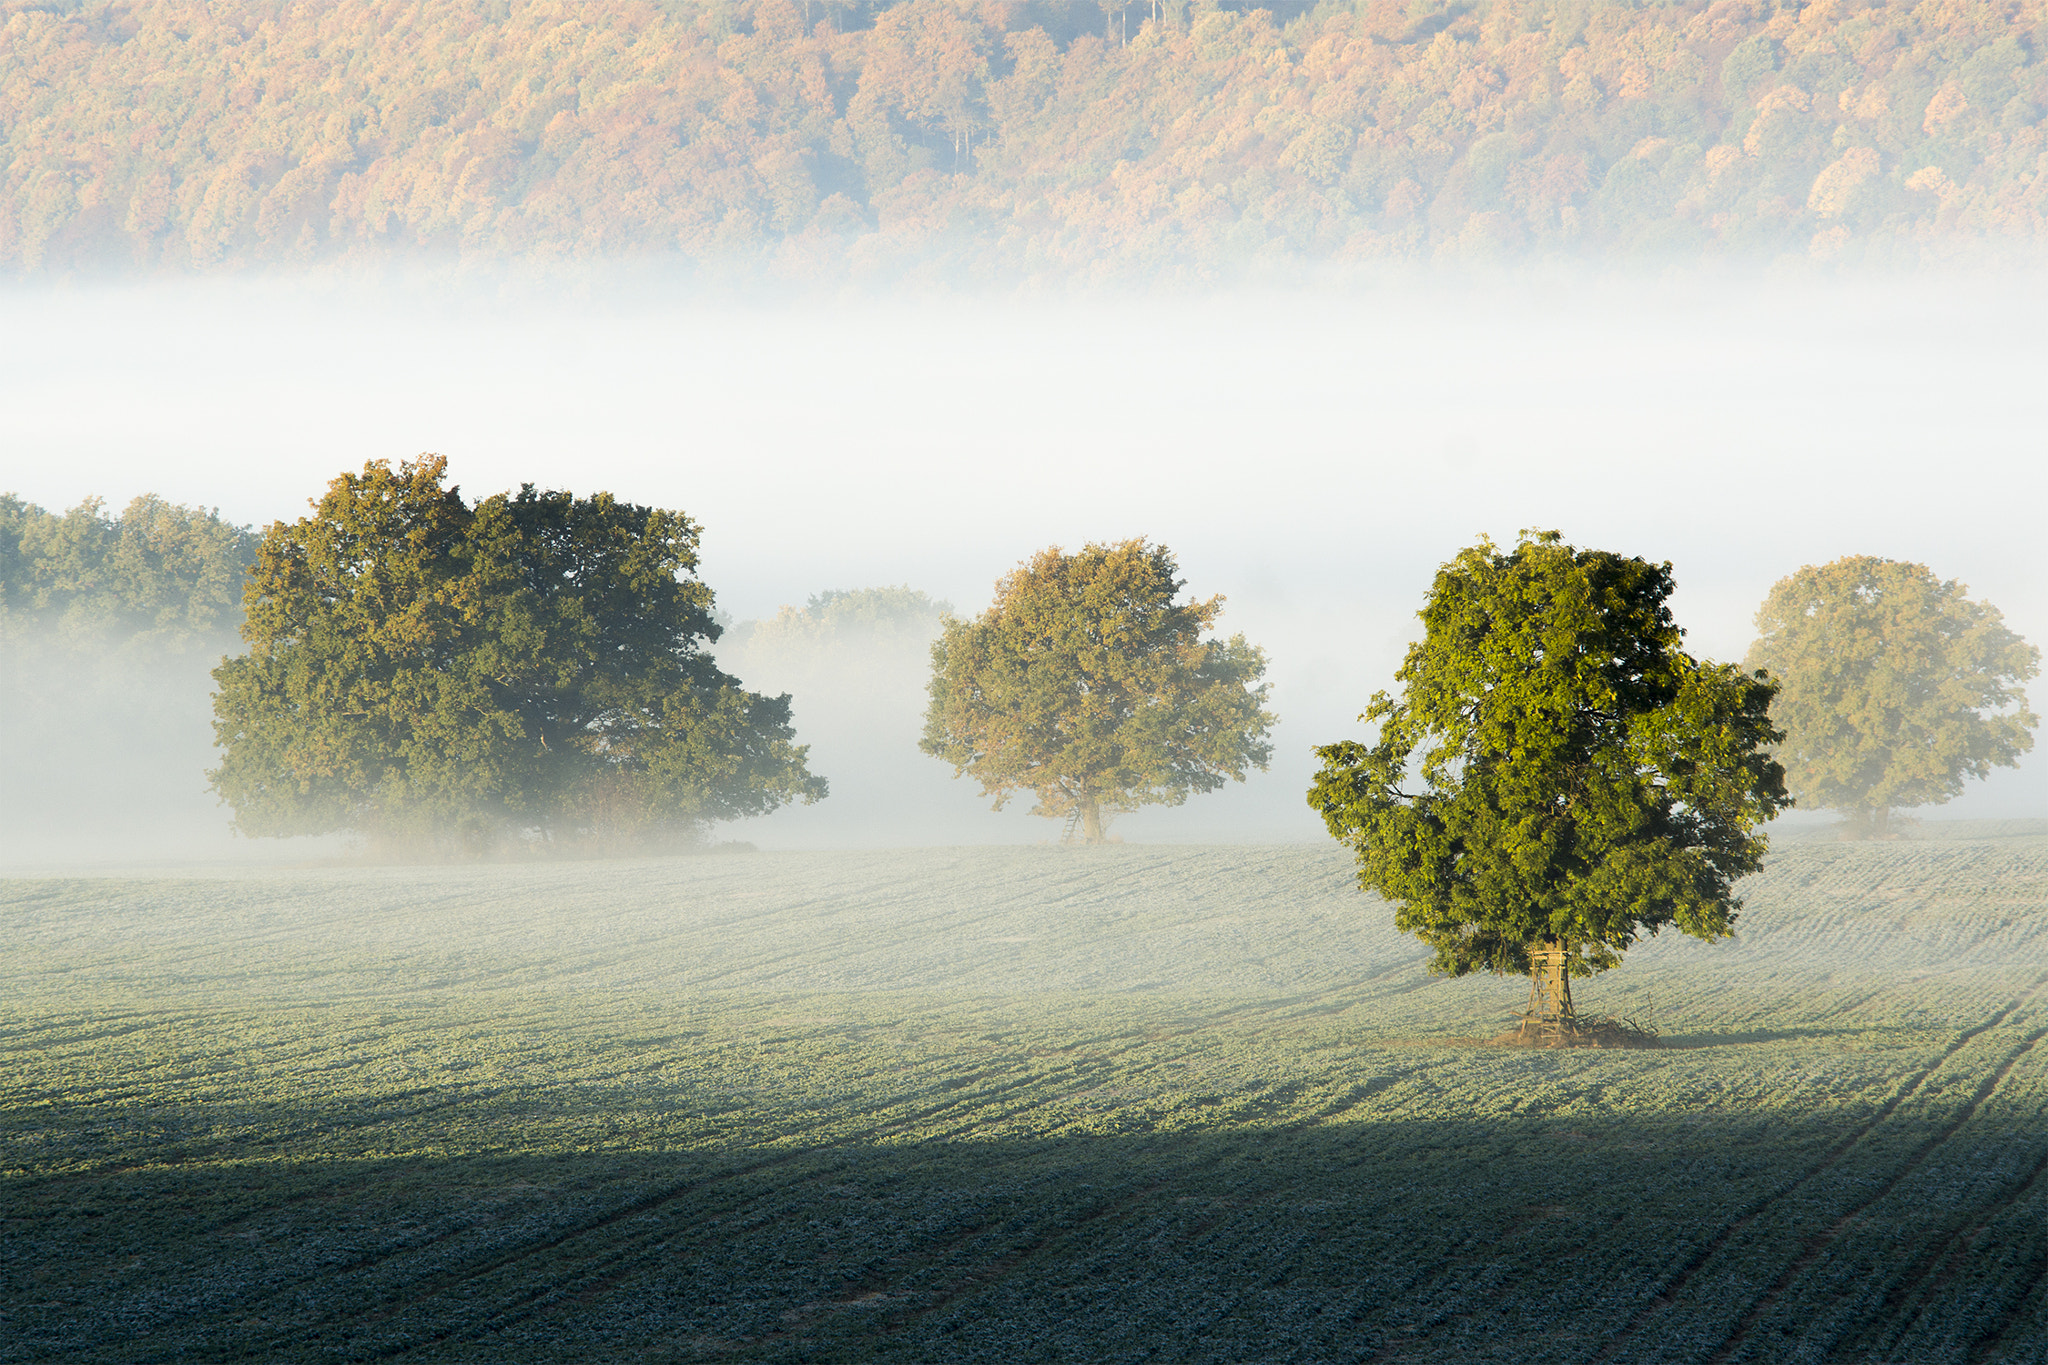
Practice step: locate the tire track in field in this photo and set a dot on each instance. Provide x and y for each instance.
(981, 1119)
(1829, 1159)
(625, 1260)
(636, 1251)
(968, 1281)
(446, 1281)
(1136, 1039)
(1817, 1245)
(618, 1260)
(385, 1256)
(977, 1280)
(497, 1319)
(235, 948)
(1942, 1263)
(1041, 894)
(1984, 1349)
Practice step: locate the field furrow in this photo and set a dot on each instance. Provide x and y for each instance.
(1046, 1104)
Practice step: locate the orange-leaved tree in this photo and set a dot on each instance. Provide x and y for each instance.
(1089, 685)
(1895, 687)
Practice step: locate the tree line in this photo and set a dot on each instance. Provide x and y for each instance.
(852, 138)
(1557, 777)
(405, 660)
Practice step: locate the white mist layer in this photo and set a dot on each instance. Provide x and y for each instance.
(1313, 456)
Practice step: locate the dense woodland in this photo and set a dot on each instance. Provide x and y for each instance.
(822, 139)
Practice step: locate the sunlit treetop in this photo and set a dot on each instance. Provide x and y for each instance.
(159, 576)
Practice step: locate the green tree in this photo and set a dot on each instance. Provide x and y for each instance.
(427, 672)
(839, 620)
(1088, 685)
(1558, 777)
(1894, 686)
(109, 628)
(157, 577)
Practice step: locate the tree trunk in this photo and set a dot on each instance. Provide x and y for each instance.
(1880, 822)
(1550, 1014)
(1091, 820)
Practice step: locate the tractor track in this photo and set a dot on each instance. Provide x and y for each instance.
(525, 1305)
(1817, 1245)
(1984, 1349)
(1940, 1263)
(637, 1249)
(1828, 1160)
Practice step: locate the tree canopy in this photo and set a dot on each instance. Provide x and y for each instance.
(1087, 684)
(839, 623)
(1895, 687)
(421, 670)
(157, 577)
(828, 138)
(109, 626)
(1557, 771)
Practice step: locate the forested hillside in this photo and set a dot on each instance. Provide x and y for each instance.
(821, 138)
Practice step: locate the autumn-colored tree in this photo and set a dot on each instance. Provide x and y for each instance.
(1558, 777)
(927, 63)
(431, 673)
(1895, 687)
(1087, 684)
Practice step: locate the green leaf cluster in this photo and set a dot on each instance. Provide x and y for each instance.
(1089, 685)
(1895, 686)
(158, 578)
(432, 673)
(1557, 768)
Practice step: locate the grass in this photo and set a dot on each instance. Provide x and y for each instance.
(1009, 1104)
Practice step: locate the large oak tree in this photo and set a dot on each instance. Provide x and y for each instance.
(1558, 776)
(1087, 684)
(1895, 687)
(424, 671)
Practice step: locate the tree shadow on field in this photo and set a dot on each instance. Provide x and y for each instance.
(1604, 1235)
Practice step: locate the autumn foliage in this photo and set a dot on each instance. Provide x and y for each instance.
(1034, 139)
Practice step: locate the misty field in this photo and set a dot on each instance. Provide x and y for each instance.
(1046, 1103)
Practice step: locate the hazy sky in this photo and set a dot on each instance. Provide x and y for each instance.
(1313, 454)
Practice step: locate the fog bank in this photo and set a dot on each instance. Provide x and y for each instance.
(1312, 455)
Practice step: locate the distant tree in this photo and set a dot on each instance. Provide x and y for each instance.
(1088, 685)
(1558, 777)
(428, 672)
(159, 576)
(863, 618)
(109, 628)
(1895, 687)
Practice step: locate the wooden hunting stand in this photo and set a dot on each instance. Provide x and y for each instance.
(1549, 1020)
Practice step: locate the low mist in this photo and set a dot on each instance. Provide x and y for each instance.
(856, 663)
(106, 754)
(1313, 455)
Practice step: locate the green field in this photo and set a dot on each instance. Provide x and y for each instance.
(1109, 1104)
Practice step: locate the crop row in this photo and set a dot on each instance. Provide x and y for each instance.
(1053, 1104)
